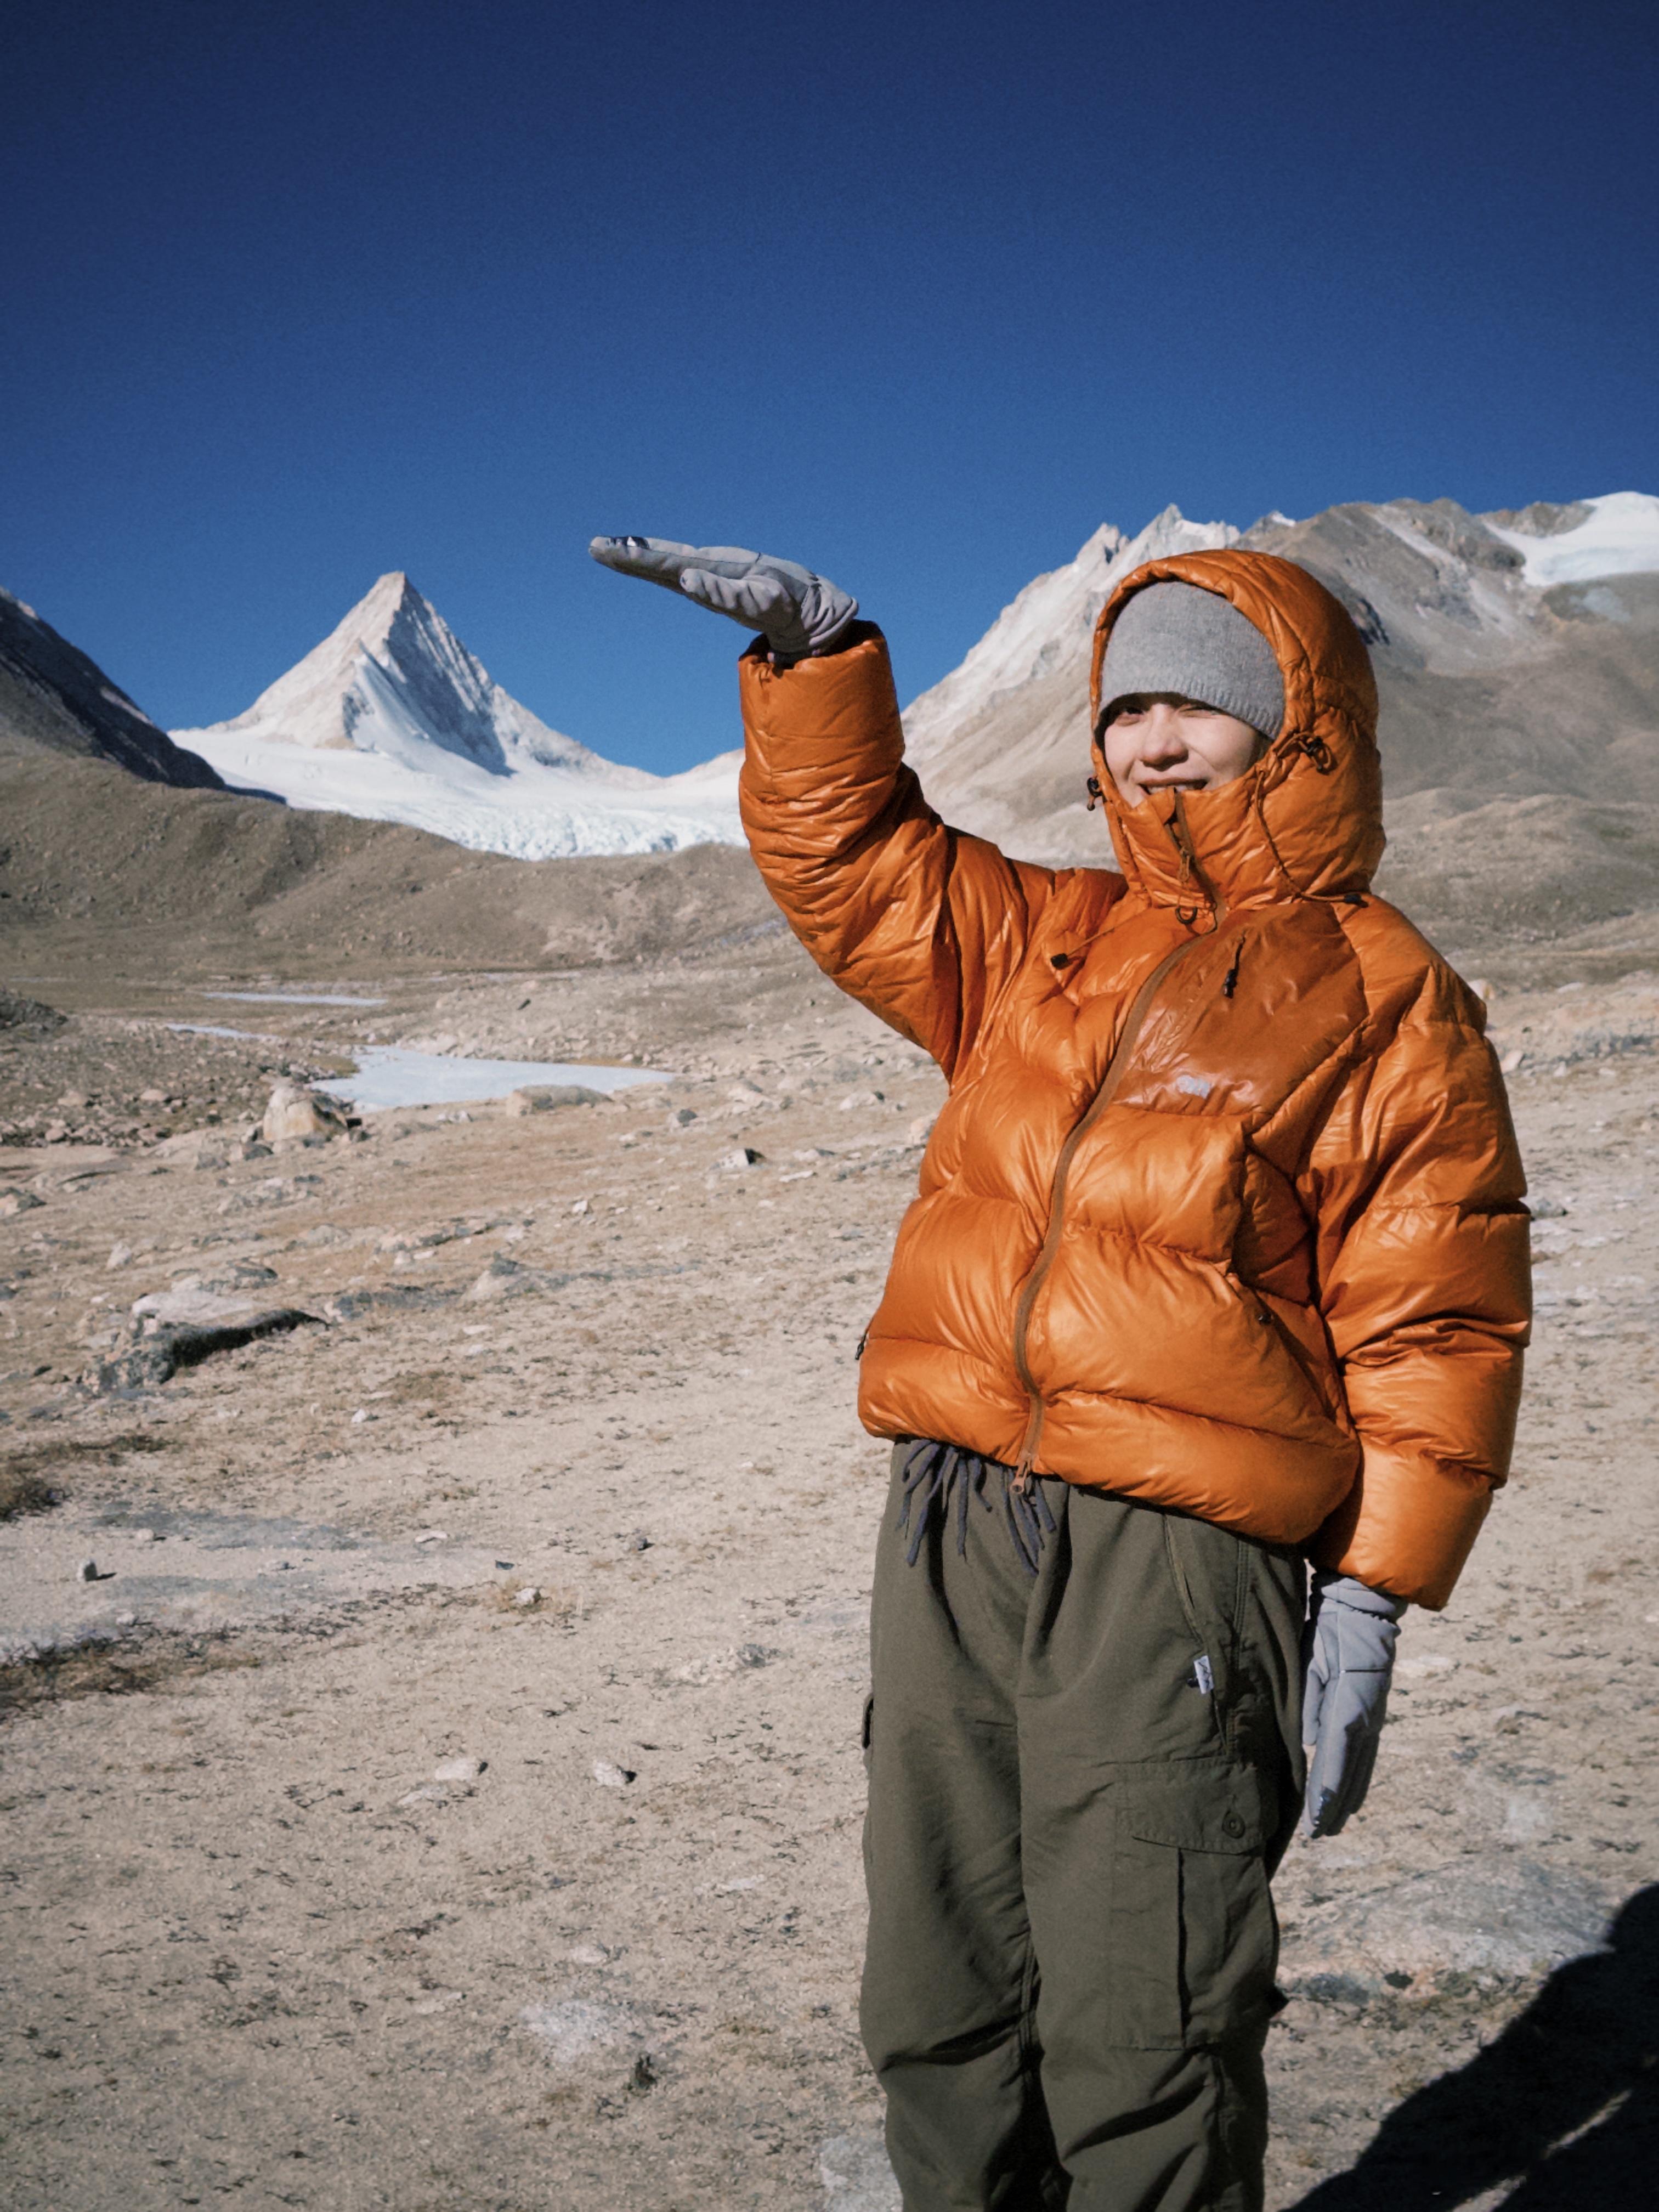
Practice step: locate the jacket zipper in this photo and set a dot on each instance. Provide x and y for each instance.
(1116, 1066)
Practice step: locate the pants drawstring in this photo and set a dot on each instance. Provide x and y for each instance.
(945, 1475)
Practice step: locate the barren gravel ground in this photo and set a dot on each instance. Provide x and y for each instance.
(564, 1493)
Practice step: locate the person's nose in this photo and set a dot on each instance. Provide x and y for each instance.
(1162, 743)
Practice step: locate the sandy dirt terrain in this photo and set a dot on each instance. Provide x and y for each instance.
(445, 1793)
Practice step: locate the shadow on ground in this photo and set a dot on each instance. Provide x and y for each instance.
(1564, 2105)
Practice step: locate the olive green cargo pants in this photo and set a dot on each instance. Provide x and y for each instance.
(1080, 1785)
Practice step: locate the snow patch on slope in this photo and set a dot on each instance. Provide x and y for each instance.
(532, 813)
(1619, 536)
(1048, 624)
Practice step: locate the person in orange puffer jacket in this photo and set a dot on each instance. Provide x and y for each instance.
(1217, 1270)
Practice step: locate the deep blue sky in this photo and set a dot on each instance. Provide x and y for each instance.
(917, 294)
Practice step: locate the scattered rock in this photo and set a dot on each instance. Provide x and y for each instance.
(682, 1117)
(854, 1098)
(427, 1793)
(15, 1200)
(120, 1257)
(459, 1770)
(524, 1599)
(1493, 1921)
(639, 1542)
(582, 1206)
(919, 1130)
(741, 1156)
(20, 1013)
(200, 1149)
(188, 1300)
(87, 1571)
(720, 1665)
(432, 1537)
(611, 1777)
(126, 1621)
(1543, 1208)
(499, 1281)
(295, 1111)
(155, 1358)
(574, 2029)
(856, 2176)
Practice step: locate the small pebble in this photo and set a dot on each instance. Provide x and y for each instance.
(145, 1536)
(432, 1536)
(87, 1572)
(639, 1542)
(459, 1770)
(525, 1598)
(610, 1776)
(126, 1621)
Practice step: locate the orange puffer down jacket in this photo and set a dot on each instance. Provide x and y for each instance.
(1224, 1209)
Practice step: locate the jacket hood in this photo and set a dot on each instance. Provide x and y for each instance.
(1306, 821)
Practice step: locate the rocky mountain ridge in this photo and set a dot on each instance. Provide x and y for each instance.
(1515, 656)
(56, 699)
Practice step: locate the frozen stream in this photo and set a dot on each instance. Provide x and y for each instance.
(386, 1075)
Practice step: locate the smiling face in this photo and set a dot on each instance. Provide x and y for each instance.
(1157, 741)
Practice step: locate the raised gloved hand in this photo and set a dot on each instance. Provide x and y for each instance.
(1348, 1657)
(797, 612)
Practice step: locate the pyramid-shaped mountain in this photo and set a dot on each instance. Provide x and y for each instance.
(392, 718)
(394, 678)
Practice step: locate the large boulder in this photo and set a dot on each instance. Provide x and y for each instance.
(294, 1111)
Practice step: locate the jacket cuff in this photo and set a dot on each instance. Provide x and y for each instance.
(1405, 1527)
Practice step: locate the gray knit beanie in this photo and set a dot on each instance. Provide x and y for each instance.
(1175, 637)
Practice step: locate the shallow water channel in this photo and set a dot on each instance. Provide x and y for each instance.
(386, 1076)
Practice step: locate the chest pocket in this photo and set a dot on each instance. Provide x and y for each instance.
(1174, 1180)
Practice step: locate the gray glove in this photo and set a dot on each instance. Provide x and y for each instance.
(797, 612)
(1348, 1657)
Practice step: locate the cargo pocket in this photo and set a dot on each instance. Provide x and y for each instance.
(1194, 1941)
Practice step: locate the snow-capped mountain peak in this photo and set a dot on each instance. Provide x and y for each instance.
(393, 719)
(393, 678)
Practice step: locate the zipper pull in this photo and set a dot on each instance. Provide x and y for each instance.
(857, 1350)
(1230, 980)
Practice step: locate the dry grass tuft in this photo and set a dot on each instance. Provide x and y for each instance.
(101, 1671)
